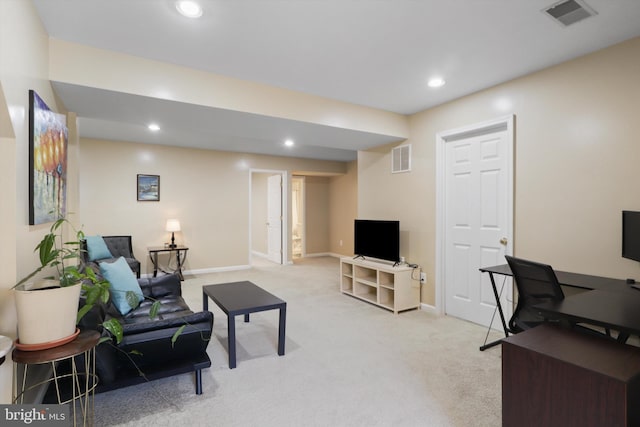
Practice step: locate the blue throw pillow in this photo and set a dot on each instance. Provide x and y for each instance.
(97, 248)
(121, 279)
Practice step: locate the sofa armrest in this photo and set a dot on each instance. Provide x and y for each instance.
(158, 287)
(202, 321)
(150, 343)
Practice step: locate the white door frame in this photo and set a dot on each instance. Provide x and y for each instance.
(285, 211)
(441, 140)
(303, 210)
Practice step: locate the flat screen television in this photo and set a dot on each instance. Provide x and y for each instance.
(377, 239)
(631, 235)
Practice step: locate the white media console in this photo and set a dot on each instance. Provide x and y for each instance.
(393, 288)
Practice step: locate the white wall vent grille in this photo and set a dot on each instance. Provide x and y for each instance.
(401, 159)
(569, 12)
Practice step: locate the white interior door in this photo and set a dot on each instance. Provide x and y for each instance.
(274, 218)
(477, 220)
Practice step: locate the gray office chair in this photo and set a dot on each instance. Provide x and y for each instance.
(536, 283)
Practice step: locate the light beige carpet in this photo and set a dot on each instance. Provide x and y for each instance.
(347, 363)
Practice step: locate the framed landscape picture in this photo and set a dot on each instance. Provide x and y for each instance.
(148, 188)
(48, 138)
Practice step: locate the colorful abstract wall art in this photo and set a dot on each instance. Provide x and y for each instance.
(48, 138)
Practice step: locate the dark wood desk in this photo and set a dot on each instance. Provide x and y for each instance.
(574, 280)
(556, 377)
(618, 310)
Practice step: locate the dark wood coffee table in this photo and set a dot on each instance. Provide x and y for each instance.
(244, 298)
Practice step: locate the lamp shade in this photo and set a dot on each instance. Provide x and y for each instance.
(173, 225)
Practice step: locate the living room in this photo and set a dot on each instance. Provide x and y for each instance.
(576, 157)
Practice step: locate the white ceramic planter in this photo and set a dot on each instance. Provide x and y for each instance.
(46, 315)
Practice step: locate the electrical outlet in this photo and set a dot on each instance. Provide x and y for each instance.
(340, 242)
(423, 277)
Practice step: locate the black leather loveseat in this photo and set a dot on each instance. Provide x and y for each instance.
(146, 352)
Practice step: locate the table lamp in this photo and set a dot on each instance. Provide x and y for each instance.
(173, 225)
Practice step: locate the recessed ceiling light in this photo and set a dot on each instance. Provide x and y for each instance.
(154, 127)
(289, 143)
(189, 8)
(436, 82)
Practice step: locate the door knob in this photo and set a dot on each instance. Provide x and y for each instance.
(504, 241)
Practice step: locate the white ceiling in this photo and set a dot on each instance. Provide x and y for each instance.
(377, 53)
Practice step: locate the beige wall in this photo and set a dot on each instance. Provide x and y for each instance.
(24, 60)
(316, 194)
(407, 197)
(259, 216)
(208, 191)
(109, 70)
(24, 66)
(576, 164)
(7, 256)
(343, 210)
(576, 161)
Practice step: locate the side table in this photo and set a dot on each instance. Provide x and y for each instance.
(76, 388)
(181, 256)
(244, 298)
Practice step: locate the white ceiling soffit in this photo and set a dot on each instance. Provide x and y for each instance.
(119, 116)
(377, 53)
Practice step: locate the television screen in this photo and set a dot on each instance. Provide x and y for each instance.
(377, 239)
(631, 235)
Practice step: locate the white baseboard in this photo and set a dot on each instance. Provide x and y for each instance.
(423, 306)
(260, 254)
(428, 308)
(317, 254)
(217, 269)
(206, 270)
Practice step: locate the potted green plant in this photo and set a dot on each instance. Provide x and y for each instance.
(48, 309)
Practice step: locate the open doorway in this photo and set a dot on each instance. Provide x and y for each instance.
(297, 217)
(268, 217)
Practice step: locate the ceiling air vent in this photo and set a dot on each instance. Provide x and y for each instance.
(569, 12)
(401, 159)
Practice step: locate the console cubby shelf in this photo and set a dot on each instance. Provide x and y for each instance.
(392, 288)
